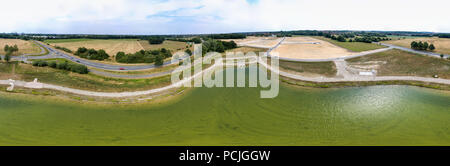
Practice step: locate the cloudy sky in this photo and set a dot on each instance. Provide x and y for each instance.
(220, 16)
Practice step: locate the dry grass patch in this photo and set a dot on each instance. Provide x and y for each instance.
(111, 46)
(171, 45)
(304, 48)
(442, 44)
(401, 63)
(25, 47)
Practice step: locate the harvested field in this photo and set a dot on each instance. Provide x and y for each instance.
(171, 45)
(25, 47)
(309, 48)
(259, 42)
(110, 46)
(442, 44)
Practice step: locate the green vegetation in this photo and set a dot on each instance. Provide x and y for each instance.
(66, 40)
(379, 115)
(422, 46)
(227, 36)
(9, 51)
(404, 63)
(217, 46)
(64, 49)
(65, 65)
(156, 40)
(353, 46)
(143, 56)
(81, 81)
(322, 68)
(92, 54)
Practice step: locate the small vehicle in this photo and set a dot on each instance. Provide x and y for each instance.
(121, 68)
(78, 61)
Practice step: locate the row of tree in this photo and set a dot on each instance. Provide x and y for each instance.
(143, 56)
(365, 38)
(9, 51)
(92, 54)
(73, 67)
(227, 36)
(64, 49)
(195, 40)
(156, 40)
(422, 46)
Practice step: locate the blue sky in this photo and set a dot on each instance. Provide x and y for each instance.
(220, 16)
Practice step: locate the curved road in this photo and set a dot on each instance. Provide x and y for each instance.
(180, 83)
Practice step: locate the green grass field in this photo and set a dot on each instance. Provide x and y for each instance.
(404, 63)
(352, 46)
(321, 68)
(380, 115)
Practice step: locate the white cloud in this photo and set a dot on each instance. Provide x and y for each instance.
(214, 16)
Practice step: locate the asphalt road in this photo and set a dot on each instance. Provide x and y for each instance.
(59, 54)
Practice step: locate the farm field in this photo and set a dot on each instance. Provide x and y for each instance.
(171, 45)
(309, 48)
(352, 46)
(260, 42)
(442, 44)
(396, 62)
(111, 46)
(25, 47)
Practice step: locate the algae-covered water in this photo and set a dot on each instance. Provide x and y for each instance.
(376, 115)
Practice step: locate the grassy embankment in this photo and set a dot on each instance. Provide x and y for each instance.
(401, 63)
(352, 46)
(90, 81)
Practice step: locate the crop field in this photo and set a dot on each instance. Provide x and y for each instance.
(442, 44)
(110, 46)
(396, 62)
(259, 42)
(309, 48)
(352, 46)
(25, 47)
(171, 45)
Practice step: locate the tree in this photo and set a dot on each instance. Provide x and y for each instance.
(425, 46)
(414, 45)
(431, 47)
(6, 48)
(188, 51)
(159, 60)
(341, 38)
(8, 56)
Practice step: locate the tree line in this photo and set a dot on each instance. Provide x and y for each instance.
(353, 38)
(195, 40)
(92, 54)
(64, 49)
(73, 67)
(217, 46)
(143, 56)
(422, 46)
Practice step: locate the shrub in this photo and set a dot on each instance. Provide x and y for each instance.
(52, 64)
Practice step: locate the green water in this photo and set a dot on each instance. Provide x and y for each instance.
(377, 115)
